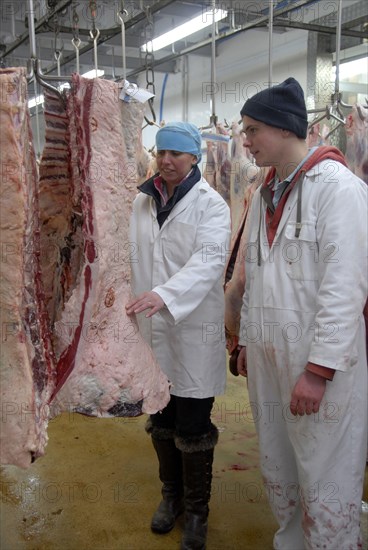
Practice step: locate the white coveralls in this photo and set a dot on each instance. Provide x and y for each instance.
(304, 304)
(184, 263)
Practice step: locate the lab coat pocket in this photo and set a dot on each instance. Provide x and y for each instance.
(178, 241)
(301, 253)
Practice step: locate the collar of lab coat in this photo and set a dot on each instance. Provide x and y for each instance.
(180, 192)
(312, 163)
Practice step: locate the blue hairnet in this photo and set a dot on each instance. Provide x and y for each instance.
(179, 136)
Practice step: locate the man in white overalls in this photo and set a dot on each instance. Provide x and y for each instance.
(302, 338)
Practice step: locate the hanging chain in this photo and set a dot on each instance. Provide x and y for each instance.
(93, 10)
(76, 40)
(149, 63)
(149, 57)
(75, 23)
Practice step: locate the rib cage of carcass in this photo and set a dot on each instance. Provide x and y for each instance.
(98, 363)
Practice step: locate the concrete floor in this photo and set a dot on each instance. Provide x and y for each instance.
(97, 487)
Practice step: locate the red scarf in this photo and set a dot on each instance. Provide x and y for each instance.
(322, 153)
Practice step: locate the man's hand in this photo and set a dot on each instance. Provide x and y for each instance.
(307, 394)
(147, 300)
(242, 361)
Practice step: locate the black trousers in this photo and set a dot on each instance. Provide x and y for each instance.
(185, 415)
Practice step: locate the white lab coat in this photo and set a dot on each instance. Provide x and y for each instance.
(304, 303)
(184, 263)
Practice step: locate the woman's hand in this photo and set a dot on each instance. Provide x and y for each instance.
(147, 300)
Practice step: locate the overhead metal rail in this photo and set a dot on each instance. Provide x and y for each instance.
(262, 21)
(312, 27)
(108, 34)
(105, 35)
(25, 36)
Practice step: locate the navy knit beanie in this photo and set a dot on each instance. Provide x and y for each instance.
(282, 106)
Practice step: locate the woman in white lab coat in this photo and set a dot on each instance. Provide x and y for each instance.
(180, 230)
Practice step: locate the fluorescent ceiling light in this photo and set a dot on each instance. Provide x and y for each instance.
(35, 101)
(197, 23)
(93, 73)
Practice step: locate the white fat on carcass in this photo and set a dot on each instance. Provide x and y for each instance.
(114, 372)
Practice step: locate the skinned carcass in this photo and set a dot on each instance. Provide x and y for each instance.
(67, 343)
(217, 168)
(356, 153)
(243, 173)
(246, 178)
(317, 135)
(27, 370)
(105, 368)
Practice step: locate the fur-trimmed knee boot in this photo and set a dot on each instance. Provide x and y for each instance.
(197, 453)
(170, 473)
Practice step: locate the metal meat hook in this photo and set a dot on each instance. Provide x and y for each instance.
(94, 34)
(153, 121)
(40, 79)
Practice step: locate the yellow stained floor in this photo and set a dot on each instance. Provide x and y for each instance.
(97, 487)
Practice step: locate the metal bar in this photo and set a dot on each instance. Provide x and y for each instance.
(312, 27)
(52, 78)
(13, 21)
(105, 62)
(83, 32)
(38, 76)
(37, 121)
(95, 33)
(213, 62)
(123, 51)
(338, 45)
(76, 43)
(31, 29)
(270, 58)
